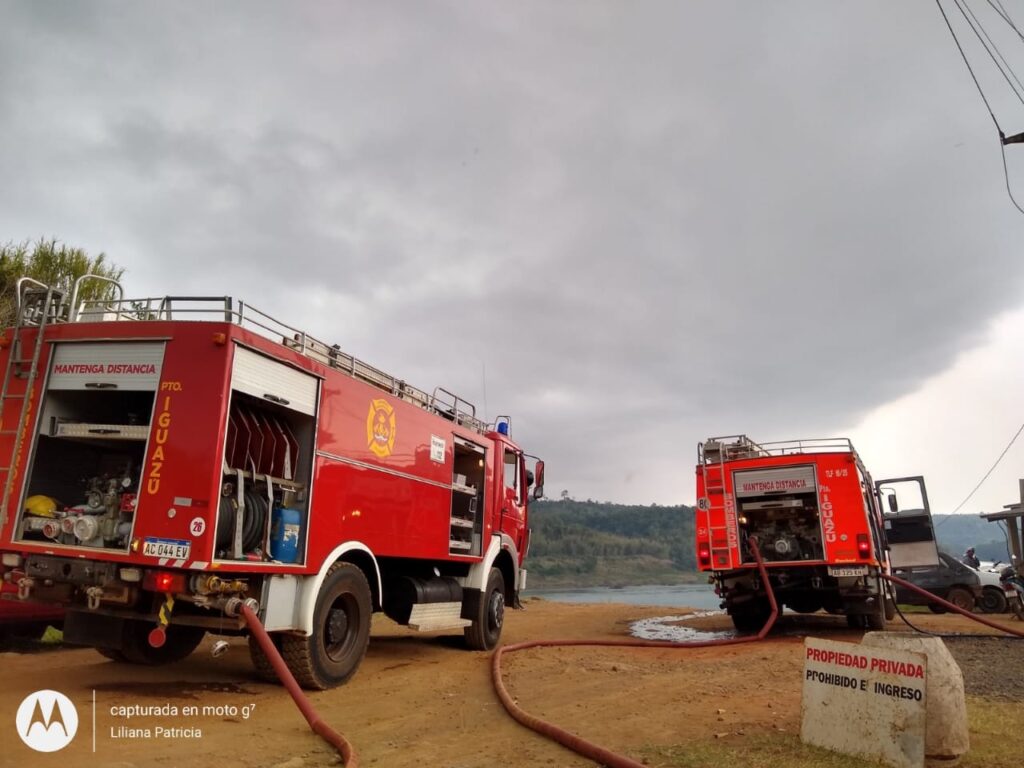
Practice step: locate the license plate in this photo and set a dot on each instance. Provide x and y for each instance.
(173, 549)
(850, 570)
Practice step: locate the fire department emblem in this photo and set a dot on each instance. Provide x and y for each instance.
(380, 428)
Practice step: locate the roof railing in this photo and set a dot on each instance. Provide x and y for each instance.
(227, 309)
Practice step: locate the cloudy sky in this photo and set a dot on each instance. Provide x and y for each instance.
(629, 225)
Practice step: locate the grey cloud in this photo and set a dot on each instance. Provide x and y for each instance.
(648, 223)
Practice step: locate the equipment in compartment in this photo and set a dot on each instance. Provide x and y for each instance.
(260, 515)
(260, 441)
(103, 519)
(467, 497)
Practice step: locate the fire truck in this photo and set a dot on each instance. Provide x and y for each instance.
(816, 516)
(166, 461)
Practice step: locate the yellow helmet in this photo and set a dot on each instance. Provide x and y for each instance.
(41, 506)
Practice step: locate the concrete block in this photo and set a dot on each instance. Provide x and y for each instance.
(946, 735)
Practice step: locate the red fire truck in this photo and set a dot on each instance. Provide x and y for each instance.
(166, 461)
(815, 512)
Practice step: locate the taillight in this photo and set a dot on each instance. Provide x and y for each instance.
(704, 554)
(164, 581)
(863, 546)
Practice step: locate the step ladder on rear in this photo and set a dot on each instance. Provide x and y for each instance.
(713, 470)
(38, 305)
(713, 455)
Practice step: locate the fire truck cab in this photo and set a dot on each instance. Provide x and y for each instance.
(814, 511)
(166, 461)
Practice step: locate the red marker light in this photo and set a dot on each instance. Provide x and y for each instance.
(704, 554)
(863, 546)
(164, 581)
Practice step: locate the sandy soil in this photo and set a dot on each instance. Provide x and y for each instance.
(423, 700)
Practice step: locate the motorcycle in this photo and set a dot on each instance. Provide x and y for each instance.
(1013, 585)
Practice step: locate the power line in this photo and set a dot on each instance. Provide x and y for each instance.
(985, 477)
(981, 92)
(997, 6)
(970, 69)
(986, 42)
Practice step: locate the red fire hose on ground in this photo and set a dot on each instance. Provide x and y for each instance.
(950, 607)
(316, 724)
(577, 743)
(566, 738)
(614, 760)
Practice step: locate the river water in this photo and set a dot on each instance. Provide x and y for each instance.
(686, 595)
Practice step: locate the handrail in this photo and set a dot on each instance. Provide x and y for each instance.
(72, 310)
(742, 447)
(226, 309)
(18, 290)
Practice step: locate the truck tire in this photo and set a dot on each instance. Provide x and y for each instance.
(485, 631)
(875, 621)
(961, 598)
(264, 669)
(341, 631)
(135, 648)
(993, 600)
(750, 616)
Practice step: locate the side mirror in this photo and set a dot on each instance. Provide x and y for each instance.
(529, 478)
(893, 505)
(538, 489)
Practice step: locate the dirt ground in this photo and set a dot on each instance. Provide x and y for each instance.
(424, 701)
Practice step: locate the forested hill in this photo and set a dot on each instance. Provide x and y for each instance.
(591, 543)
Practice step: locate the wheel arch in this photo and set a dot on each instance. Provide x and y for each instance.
(502, 554)
(354, 552)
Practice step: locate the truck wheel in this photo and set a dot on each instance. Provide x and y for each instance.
(264, 669)
(993, 600)
(876, 619)
(485, 631)
(750, 616)
(135, 647)
(341, 631)
(961, 598)
(890, 608)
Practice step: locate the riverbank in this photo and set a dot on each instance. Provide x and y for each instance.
(607, 572)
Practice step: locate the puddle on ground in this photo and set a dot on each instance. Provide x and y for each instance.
(665, 628)
(181, 690)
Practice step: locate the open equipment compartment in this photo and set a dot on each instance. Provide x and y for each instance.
(268, 461)
(468, 463)
(89, 449)
(780, 507)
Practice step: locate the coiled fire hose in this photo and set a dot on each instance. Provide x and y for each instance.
(316, 724)
(577, 743)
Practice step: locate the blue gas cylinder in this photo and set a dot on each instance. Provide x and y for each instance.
(285, 527)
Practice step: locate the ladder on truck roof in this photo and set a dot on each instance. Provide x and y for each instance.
(37, 305)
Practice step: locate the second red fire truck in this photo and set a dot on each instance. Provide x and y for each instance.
(815, 513)
(167, 461)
